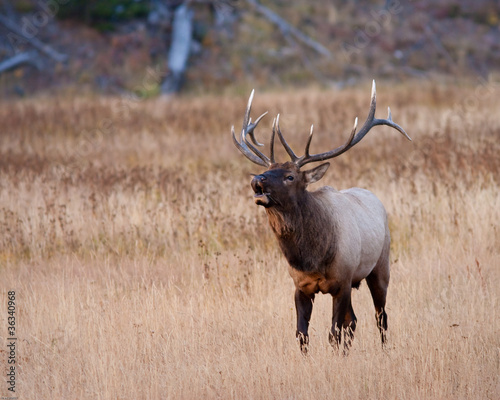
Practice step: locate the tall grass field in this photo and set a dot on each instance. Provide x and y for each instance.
(142, 269)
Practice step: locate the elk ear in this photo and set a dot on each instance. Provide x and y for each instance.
(315, 174)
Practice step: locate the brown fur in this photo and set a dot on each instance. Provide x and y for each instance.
(329, 244)
(332, 240)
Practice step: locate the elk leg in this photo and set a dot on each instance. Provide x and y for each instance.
(343, 321)
(303, 306)
(377, 283)
(349, 327)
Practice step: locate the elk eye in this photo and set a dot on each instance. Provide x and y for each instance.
(290, 178)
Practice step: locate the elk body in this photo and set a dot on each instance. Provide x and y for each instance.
(331, 239)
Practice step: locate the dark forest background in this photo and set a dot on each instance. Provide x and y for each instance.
(151, 47)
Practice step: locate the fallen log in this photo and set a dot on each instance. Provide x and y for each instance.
(287, 29)
(28, 57)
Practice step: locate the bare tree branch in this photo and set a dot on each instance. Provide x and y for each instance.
(28, 57)
(35, 42)
(287, 29)
(307, 62)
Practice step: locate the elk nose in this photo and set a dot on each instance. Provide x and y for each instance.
(258, 178)
(257, 183)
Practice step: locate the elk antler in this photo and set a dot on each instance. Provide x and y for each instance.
(253, 154)
(354, 137)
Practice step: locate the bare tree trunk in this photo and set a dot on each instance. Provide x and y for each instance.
(182, 33)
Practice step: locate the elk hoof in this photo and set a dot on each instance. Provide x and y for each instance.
(303, 341)
(334, 340)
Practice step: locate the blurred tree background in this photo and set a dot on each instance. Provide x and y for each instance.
(103, 15)
(154, 46)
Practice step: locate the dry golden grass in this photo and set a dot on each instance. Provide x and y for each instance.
(143, 269)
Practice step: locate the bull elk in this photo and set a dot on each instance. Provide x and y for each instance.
(331, 239)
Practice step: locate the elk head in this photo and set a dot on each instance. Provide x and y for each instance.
(284, 183)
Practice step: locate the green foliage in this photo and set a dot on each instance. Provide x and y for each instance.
(102, 14)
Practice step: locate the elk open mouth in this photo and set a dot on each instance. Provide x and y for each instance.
(261, 198)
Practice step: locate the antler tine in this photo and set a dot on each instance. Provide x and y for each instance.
(396, 126)
(306, 152)
(271, 145)
(246, 119)
(251, 126)
(256, 151)
(371, 121)
(307, 158)
(284, 143)
(353, 132)
(243, 148)
(244, 145)
(355, 138)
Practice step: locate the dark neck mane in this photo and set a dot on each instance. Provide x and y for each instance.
(304, 231)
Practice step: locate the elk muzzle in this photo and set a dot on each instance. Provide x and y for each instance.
(261, 197)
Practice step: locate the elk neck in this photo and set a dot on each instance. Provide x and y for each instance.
(306, 231)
